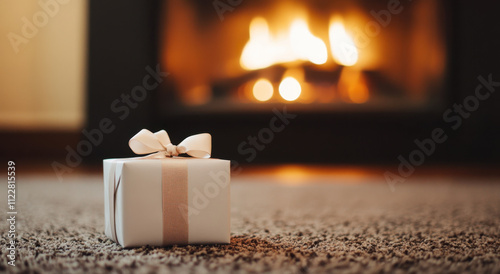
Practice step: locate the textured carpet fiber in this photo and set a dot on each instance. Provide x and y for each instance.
(346, 225)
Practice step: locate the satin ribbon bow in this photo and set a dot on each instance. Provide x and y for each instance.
(145, 142)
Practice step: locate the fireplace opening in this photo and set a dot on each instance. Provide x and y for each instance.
(320, 55)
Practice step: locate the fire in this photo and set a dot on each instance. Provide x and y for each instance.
(296, 44)
(305, 45)
(344, 50)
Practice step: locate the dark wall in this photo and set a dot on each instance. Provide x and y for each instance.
(122, 43)
(475, 45)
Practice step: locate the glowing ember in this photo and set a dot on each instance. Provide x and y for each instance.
(263, 90)
(352, 84)
(344, 50)
(358, 92)
(290, 89)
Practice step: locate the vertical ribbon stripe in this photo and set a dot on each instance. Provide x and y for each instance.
(175, 201)
(111, 199)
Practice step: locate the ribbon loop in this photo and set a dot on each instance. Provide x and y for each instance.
(146, 142)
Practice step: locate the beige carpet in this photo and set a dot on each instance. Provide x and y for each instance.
(348, 225)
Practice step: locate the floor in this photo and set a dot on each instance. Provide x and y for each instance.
(347, 224)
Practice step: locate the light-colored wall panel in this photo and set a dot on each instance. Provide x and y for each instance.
(42, 85)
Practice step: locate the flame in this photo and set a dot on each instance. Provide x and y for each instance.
(297, 44)
(263, 90)
(290, 89)
(344, 50)
(306, 45)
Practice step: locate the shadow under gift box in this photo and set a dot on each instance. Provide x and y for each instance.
(167, 201)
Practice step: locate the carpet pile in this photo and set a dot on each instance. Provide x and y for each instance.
(352, 226)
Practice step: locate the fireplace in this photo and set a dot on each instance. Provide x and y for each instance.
(314, 56)
(364, 78)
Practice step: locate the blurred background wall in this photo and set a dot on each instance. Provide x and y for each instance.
(63, 64)
(42, 74)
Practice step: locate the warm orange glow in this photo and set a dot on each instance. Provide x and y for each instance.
(358, 92)
(353, 86)
(198, 95)
(263, 90)
(292, 174)
(295, 44)
(344, 50)
(290, 89)
(306, 174)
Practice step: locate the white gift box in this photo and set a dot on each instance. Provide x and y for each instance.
(167, 201)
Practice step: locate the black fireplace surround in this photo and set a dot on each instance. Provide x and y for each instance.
(124, 48)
